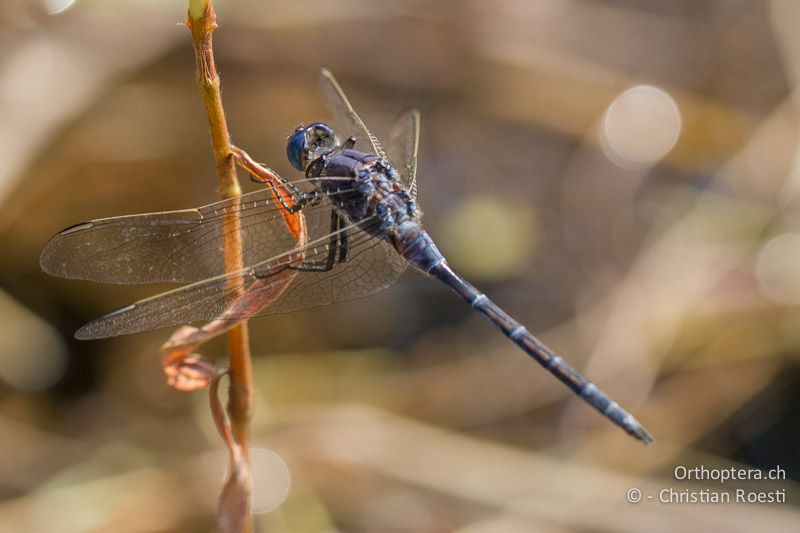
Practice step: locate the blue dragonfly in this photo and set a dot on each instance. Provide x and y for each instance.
(348, 229)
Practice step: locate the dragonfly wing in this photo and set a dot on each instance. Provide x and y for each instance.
(402, 147)
(372, 265)
(403, 139)
(203, 300)
(346, 121)
(171, 246)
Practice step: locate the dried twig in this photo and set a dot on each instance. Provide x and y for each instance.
(201, 22)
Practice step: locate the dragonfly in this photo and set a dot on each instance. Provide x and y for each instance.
(348, 229)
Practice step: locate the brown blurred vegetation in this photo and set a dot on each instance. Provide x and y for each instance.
(662, 280)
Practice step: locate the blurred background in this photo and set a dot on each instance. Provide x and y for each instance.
(621, 175)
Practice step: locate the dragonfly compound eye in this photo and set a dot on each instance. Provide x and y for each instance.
(320, 138)
(308, 143)
(296, 148)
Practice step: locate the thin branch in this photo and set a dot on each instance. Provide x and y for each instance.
(201, 22)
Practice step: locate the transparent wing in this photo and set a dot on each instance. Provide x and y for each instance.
(346, 121)
(372, 265)
(172, 246)
(402, 147)
(403, 139)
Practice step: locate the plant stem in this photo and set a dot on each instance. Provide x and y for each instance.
(202, 22)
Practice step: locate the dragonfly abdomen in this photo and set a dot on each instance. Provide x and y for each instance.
(556, 365)
(416, 246)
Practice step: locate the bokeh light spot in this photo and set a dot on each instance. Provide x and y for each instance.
(33, 356)
(640, 126)
(489, 239)
(29, 71)
(778, 268)
(271, 480)
(54, 7)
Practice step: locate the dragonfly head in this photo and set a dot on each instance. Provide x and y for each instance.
(307, 143)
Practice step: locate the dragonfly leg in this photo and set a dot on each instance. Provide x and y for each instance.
(343, 243)
(303, 199)
(349, 143)
(336, 245)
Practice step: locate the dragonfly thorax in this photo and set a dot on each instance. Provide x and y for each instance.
(364, 187)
